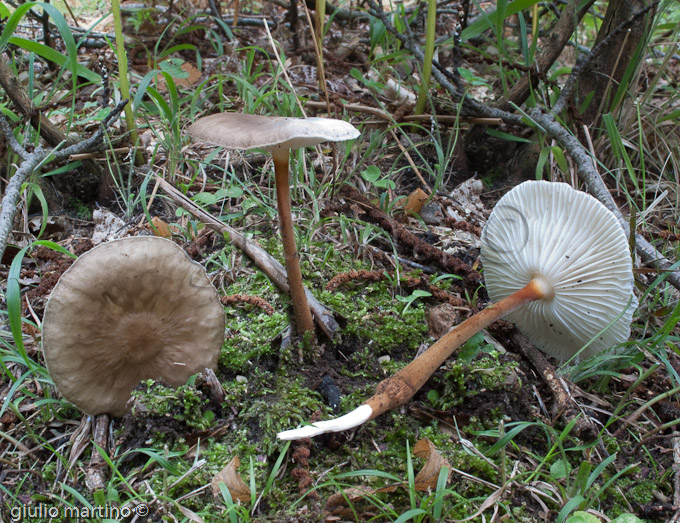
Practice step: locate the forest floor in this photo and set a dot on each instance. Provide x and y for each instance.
(388, 227)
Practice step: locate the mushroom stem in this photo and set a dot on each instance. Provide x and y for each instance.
(398, 389)
(303, 317)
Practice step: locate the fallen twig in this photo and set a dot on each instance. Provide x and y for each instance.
(48, 131)
(263, 304)
(267, 264)
(376, 111)
(566, 405)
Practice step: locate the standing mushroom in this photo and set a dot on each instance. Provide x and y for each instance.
(277, 135)
(125, 311)
(558, 262)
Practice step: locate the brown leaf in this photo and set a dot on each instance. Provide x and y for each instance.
(415, 201)
(230, 477)
(192, 79)
(426, 479)
(162, 228)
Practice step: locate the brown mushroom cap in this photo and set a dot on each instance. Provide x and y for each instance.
(250, 131)
(125, 311)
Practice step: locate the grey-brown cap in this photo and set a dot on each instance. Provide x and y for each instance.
(576, 245)
(250, 131)
(128, 310)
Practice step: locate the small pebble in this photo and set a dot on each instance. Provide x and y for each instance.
(384, 359)
(241, 379)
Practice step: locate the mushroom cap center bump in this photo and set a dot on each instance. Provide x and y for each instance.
(125, 311)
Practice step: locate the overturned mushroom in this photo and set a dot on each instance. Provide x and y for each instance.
(128, 310)
(277, 135)
(558, 261)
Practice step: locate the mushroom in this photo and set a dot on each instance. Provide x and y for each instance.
(558, 263)
(125, 311)
(277, 135)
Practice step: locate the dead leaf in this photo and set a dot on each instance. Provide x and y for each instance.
(338, 505)
(192, 79)
(415, 201)
(161, 228)
(194, 75)
(107, 226)
(427, 478)
(230, 477)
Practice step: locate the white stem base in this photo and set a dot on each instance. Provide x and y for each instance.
(355, 418)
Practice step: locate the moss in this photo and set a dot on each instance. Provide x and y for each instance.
(286, 405)
(368, 318)
(184, 403)
(486, 373)
(626, 493)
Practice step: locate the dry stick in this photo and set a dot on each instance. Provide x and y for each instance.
(320, 71)
(376, 111)
(267, 264)
(32, 161)
(583, 428)
(390, 119)
(283, 68)
(48, 131)
(95, 476)
(411, 162)
(574, 148)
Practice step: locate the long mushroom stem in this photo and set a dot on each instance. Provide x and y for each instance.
(398, 389)
(303, 316)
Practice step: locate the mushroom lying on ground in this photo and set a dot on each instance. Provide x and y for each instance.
(125, 311)
(277, 135)
(558, 262)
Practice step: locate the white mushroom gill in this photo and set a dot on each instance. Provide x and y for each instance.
(573, 241)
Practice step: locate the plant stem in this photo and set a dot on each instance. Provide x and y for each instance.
(303, 317)
(121, 56)
(429, 54)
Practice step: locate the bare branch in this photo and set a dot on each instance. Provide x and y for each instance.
(30, 163)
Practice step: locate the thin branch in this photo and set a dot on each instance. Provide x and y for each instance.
(267, 264)
(11, 139)
(31, 161)
(48, 131)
